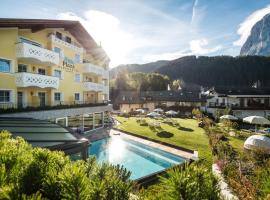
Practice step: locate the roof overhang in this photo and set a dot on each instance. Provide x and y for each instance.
(74, 27)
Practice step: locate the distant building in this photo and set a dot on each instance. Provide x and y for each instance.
(130, 101)
(242, 101)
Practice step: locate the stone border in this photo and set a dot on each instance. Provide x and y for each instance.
(225, 191)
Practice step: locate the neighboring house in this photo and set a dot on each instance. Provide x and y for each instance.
(242, 101)
(46, 63)
(130, 101)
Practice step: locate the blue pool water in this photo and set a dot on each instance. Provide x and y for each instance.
(136, 157)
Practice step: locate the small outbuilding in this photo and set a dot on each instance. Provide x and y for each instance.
(258, 142)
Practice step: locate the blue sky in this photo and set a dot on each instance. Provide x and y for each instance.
(140, 31)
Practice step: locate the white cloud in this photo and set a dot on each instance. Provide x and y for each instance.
(246, 26)
(196, 47)
(106, 29)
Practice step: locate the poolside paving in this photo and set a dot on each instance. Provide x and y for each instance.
(174, 151)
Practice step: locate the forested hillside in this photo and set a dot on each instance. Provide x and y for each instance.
(129, 68)
(220, 70)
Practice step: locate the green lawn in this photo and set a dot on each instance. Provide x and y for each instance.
(237, 144)
(190, 136)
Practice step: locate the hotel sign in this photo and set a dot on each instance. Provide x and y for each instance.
(68, 64)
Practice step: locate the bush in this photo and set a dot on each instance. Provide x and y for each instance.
(185, 183)
(36, 173)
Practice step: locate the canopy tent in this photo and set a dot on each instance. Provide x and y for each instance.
(41, 133)
(228, 117)
(258, 142)
(158, 110)
(153, 114)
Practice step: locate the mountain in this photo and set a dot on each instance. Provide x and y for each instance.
(146, 68)
(258, 42)
(243, 71)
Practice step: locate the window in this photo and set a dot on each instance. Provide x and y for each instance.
(59, 35)
(58, 73)
(57, 96)
(41, 71)
(5, 65)
(4, 96)
(59, 51)
(77, 96)
(77, 78)
(22, 68)
(77, 58)
(68, 39)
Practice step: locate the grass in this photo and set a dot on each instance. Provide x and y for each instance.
(237, 144)
(188, 136)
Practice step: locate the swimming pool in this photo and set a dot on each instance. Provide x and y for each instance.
(140, 159)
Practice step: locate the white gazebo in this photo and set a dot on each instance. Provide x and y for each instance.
(258, 142)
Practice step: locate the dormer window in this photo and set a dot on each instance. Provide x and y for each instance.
(68, 39)
(59, 35)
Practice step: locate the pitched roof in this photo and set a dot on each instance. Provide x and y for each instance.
(74, 27)
(150, 96)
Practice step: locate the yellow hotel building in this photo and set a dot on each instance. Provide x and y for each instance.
(50, 62)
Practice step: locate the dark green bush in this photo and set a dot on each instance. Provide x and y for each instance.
(36, 173)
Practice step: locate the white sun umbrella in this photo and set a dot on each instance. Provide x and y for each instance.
(257, 120)
(171, 112)
(140, 110)
(228, 117)
(153, 114)
(158, 110)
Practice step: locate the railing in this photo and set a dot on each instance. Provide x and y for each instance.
(72, 46)
(36, 54)
(96, 87)
(91, 68)
(13, 107)
(24, 79)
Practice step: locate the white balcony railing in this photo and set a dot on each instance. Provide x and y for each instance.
(56, 40)
(24, 79)
(36, 54)
(96, 87)
(91, 68)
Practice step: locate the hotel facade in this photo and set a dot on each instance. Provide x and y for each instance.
(48, 64)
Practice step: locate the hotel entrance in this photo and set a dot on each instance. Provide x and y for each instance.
(42, 99)
(20, 99)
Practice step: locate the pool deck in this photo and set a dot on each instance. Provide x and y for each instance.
(174, 151)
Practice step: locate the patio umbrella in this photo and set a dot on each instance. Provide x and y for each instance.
(171, 112)
(158, 110)
(140, 110)
(257, 120)
(153, 114)
(228, 117)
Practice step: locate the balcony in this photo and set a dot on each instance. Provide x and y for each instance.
(91, 68)
(36, 54)
(72, 46)
(24, 79)
(239, 107)
(96, 87)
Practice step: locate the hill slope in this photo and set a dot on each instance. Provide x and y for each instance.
(146, 68)
(220, 70)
